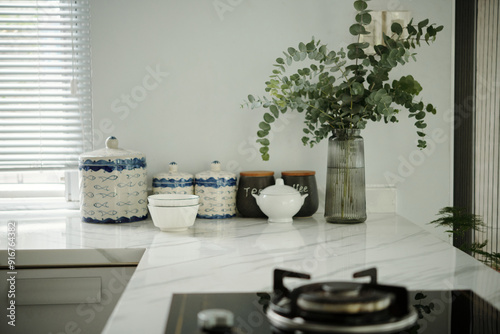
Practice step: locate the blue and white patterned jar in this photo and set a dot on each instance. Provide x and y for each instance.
(173, 182)
(217, 191)
(113, 185)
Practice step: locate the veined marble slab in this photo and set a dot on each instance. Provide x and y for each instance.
(239, 255)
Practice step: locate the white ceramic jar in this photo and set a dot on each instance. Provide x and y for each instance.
(113, 185)
(173, 182)
(217, 191)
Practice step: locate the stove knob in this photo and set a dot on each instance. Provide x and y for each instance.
(216, 320)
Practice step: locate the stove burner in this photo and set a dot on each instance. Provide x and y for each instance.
(338, 298)
(297, 324)
(339, 307)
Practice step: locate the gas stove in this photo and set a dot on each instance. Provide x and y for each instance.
(333, 307)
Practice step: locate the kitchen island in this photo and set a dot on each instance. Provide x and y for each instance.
(240, 254)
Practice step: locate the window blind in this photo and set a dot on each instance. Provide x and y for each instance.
(45, 88)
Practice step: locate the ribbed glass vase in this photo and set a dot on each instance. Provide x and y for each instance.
(345, 201)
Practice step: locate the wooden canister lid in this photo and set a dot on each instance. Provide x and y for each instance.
(298, 173)
(257, 173)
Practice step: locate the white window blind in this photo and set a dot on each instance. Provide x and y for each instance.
(45, 88)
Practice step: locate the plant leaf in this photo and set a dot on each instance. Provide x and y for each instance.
(263, 141)
(262, 133)
(396, 28)
(357, 29)
(357, 88)
(360, 5)
(268, 118)
(423, 23)
(274, 110)
(264, 126)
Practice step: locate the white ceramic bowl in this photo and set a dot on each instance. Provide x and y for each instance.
(173, 218)
(280, 208)
(173, 200)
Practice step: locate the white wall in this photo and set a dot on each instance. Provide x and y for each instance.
(211, 54)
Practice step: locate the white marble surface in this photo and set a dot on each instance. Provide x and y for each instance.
(239, 254)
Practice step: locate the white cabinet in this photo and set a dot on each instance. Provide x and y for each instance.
(55, 297)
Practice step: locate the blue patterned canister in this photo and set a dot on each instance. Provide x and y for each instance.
(217, 191)
(113, 185)
(173, 182)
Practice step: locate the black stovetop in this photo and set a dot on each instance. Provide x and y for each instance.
(440, 312)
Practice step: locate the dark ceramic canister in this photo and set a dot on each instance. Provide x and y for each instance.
(252, 182)
(305, 182)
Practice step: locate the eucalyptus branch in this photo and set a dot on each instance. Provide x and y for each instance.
(332, 101)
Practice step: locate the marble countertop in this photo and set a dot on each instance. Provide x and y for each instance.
(239, 255)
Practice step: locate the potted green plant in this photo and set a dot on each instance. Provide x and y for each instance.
(339, 92)
(458, 222)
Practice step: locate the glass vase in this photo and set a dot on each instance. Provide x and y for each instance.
(345, 200)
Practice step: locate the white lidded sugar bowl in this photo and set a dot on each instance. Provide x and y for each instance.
(113, 185)
(173, 182)
(217, 191)
(280, 202)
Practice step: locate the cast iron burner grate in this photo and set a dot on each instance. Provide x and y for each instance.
(339, 307)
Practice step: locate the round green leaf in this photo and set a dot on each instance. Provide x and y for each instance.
(264, 141)
(262, 133)
(268, 118)
(360, 5)
(364, 18)
(357, 88)
(356, 54)
(397, 28)
(420, 115)
(323, 50)
(357, 29)
(264, 126)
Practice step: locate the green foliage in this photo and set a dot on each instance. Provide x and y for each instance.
(458, 222)
(347, 88)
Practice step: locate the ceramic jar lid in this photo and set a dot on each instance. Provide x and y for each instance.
(279, 189)
(215, 176)
(174, 175)
(112, 153)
